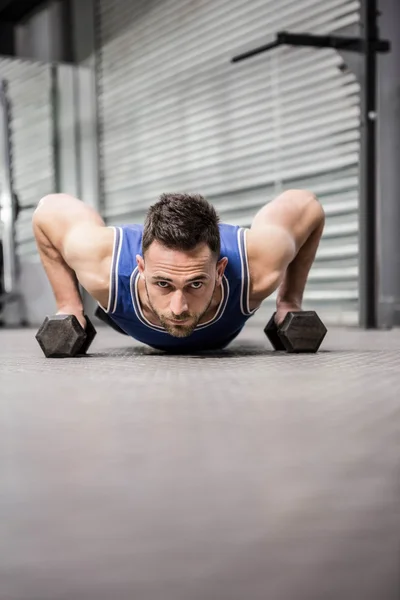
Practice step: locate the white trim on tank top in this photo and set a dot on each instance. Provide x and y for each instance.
(114, 269)
(245, 293)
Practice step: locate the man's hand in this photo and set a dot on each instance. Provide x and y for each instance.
(66, 310)
(283, 308)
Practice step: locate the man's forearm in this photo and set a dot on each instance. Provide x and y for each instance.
(61, 277)
(292, 287)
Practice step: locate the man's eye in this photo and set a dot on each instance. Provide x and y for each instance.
(163, 284)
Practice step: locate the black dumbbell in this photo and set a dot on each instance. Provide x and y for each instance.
(62, 336)
(300, 331)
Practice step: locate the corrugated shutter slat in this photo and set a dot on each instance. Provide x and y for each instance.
(176, 115)
(29, 90)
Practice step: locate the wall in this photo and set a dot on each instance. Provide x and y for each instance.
(45, 43)
(41, 39)
(33, 173)
(45, 37)
(388, 225)
(177, 115)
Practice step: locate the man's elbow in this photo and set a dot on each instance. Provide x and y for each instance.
(314, 217)
(300, 197)
(311, 215)
(50, 215)
(51, 200)
(46, 205)
(309, 204)
(317, 211)
(313, 202)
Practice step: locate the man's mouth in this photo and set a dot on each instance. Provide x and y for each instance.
(179, 322)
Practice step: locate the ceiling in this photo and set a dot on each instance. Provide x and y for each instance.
(13, 11)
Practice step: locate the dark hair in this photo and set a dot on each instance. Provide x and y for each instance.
(181, 222)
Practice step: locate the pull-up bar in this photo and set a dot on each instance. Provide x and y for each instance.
(351, 44)
(368, 45)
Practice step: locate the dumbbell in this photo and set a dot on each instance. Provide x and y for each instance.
(300, 331)
(62, 336)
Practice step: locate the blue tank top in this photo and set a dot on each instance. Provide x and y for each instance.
(230, 317)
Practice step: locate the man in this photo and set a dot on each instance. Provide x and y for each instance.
(183, 281)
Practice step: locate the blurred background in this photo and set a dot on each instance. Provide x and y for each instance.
(118, 101)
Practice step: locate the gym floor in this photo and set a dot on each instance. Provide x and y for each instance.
(240, 475)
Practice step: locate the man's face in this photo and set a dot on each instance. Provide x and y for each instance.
(180, 285)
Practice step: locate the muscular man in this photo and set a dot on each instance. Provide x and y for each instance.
(184, 280)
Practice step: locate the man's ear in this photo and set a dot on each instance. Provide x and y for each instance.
(140, 264)
(221, 266)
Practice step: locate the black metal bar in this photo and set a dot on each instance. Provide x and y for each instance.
(368, 213)
(320, 41)
(54, 122)
(350, 44)
(255, 51)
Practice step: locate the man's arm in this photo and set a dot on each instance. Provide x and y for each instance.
(74, 246)
(282, 244)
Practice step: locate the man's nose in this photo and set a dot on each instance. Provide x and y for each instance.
(178, 303)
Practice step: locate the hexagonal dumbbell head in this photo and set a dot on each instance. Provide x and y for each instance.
(271, 331)
(91, 333)
(61, 336)
(302, 331)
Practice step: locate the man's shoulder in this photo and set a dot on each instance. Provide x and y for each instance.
(129, 234)
(88, 242)
(230, 238)
(135, 227)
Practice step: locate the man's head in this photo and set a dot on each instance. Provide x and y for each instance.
(180, 264)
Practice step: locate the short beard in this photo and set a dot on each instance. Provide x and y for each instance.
(179, 331)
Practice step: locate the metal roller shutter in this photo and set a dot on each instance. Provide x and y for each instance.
(29, 91)
(176, 115)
